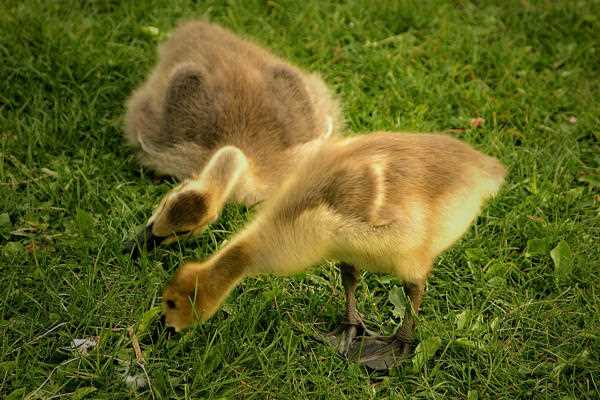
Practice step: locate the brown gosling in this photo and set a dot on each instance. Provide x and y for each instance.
(227, 117)
(384, 202)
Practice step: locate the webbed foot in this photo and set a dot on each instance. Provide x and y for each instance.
(379, 352)
(343, 337)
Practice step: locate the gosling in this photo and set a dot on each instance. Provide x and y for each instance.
(384, 202)
(228, 118)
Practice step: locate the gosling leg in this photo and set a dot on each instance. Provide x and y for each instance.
(406, 331)
(353, 325)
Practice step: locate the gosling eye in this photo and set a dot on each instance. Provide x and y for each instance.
(170, 304)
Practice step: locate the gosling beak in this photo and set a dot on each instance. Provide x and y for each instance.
(169, 330)
(145, 239)
(149, 239)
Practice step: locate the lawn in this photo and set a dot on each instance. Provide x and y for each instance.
(512, 311)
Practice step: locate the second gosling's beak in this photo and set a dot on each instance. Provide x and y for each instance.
(169, 330)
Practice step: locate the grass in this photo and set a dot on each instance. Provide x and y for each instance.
(512, 321)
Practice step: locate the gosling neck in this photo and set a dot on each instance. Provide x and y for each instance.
(227, 269)
(224, 175)
(232, 261)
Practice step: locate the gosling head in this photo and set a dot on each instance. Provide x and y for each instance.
(198, 289)
(191, 297)
(184, 212)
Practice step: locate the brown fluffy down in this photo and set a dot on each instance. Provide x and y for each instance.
(383, 202)
(211, 88)
(229, 117)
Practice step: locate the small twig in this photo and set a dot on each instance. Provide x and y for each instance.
(136, 346)
(138, 357)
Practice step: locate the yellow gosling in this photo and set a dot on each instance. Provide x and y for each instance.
(384, 202)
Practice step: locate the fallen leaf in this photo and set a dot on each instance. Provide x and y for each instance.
(563, 261)
(84, 345)
(396, 297)
(537, 247)
(573, 120)
(425, 351)
(476, 122)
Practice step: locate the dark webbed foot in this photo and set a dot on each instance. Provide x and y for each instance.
(379, 352)
(344, 336)
(385, 352)
(360, 345)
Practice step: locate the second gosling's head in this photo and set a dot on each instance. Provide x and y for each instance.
(184, 212)
(198, 289)
(193, 295)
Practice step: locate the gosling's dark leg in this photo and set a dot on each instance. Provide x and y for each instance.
(353, 324)
(406, 331)
(350, 278)
(382, 353)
